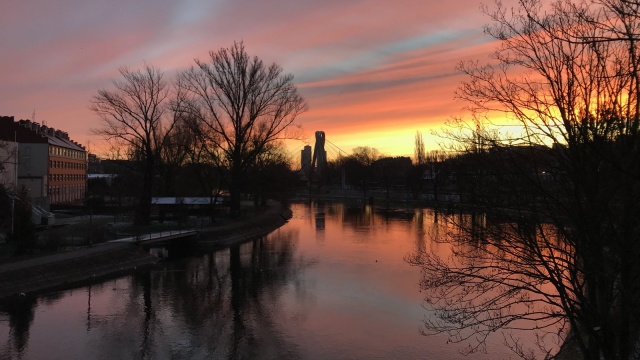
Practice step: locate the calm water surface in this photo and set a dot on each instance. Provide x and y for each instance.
(331, 284)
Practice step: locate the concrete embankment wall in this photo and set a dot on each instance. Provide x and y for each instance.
(261, 225)
(72, 268)
(67, 269)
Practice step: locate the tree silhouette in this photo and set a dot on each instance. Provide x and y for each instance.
(241, 106)
(136, 116)
(560, 251)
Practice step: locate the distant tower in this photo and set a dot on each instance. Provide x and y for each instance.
(305, 158)
(319, 162)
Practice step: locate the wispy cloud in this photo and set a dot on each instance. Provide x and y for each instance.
(367, 68)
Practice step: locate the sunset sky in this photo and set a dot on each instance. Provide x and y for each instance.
(373, 72)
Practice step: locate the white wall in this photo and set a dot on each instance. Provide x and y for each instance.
(36, 188)
(33, 160)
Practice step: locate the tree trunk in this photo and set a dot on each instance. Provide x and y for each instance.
(143, 212)
(435, 189)
(235, 190)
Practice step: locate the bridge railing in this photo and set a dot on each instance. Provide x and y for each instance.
(155, 236)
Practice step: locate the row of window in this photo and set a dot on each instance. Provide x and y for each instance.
(60, 151)
(66, 193)
(66, 165)
(67, 177)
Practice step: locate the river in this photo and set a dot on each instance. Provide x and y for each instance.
(332, 283)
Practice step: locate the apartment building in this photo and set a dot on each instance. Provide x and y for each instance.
(51, 165)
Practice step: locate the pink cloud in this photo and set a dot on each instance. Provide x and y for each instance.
(362, 65)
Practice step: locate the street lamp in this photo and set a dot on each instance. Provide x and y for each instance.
(12, 213)
(15, 184)
(13, 197)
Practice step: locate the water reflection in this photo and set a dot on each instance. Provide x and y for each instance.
(331, 284)
(20, 314)
(320, 221)
(360, 217)
(483, 274)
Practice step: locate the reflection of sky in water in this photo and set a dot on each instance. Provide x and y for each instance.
(339, 291)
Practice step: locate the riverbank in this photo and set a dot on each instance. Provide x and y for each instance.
(237, 232)
(65, 269)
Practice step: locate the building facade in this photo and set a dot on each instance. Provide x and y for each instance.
(50, 165)
(8, 164)
(305, 158)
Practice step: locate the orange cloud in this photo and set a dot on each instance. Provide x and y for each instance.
(372, 72)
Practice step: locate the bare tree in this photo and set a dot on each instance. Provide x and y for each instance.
(243, 106)
(419, 151)
(358, 168)
(416, 175)
(366, 155)
(392, 172)
(180, 149)
(271, 177)
(560, 253)
(434, 162)
(136, 116)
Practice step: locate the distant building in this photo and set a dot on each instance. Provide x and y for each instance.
(319, 162)
(94, 165)
(305, 158)
(52, 166)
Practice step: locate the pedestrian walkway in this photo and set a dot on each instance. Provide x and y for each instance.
(61, 256)
(157, 237)
(65, 268)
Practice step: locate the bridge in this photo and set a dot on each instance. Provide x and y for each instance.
(314, 164)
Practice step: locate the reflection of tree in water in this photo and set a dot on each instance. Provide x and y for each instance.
(220, 305)
(360, 217)
(365, 217)
(20, 311)
(399, 216)
(320, 221)
(403, 215)
(483, 275)
(331, 209)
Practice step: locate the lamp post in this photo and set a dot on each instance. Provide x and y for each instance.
(15, 184)
(13, 200)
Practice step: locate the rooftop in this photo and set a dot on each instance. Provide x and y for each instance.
(27, 131)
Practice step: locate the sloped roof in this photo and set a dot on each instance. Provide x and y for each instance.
(26, 131)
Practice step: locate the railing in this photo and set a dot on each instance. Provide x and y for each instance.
(157, 236)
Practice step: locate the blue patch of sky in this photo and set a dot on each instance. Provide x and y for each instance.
(175, 34)
(380, 55)
(193, 11)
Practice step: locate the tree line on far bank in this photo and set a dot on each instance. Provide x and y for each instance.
(222, 122)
